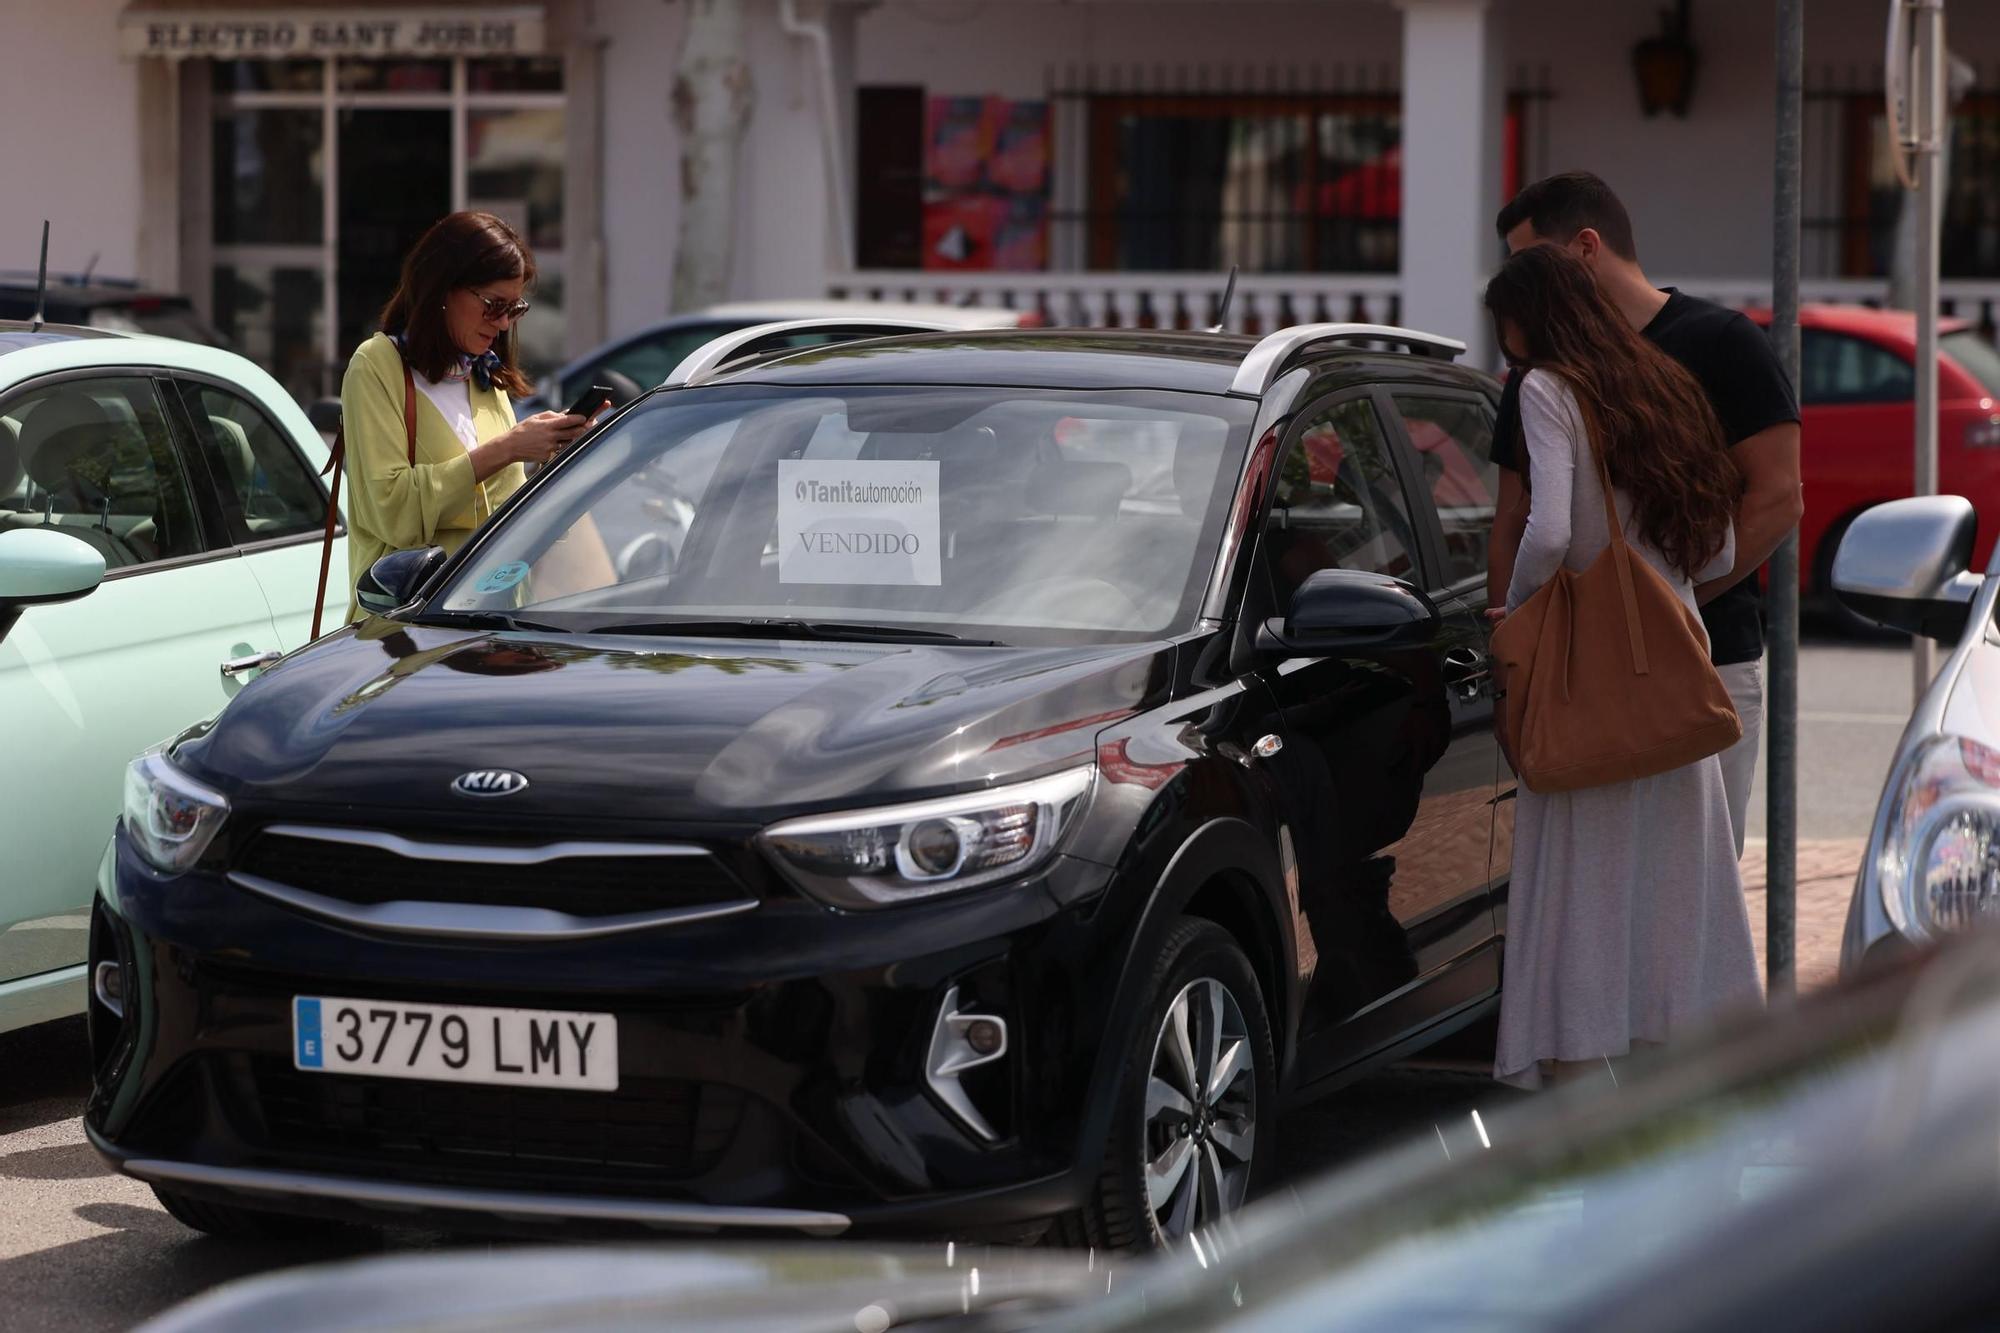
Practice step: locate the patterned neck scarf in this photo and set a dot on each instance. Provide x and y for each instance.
(479, 369)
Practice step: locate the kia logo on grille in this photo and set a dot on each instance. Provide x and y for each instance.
(489, 782)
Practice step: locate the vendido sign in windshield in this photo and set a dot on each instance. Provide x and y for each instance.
(858, 521)
(230, 34)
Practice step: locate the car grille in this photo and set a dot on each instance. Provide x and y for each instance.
(650, 1130)
(582, 885)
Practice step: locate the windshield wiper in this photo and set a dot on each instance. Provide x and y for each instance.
(489, 620)
(830, 630)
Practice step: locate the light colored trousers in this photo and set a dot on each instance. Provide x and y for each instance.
(1745, 683)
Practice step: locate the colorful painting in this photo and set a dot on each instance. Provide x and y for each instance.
(986, 183)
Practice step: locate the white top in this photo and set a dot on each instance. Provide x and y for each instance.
(454, 401)
(1566, 500)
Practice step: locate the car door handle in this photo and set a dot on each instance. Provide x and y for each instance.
(1466, 669)
(233, 667)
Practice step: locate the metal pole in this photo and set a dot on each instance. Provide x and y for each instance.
(1927, 103)
(1781, 711)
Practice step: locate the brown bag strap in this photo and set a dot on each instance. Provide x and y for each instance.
(334, 465)
(1621, 551)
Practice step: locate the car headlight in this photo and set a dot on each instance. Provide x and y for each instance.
(896, 854)
(170, 818)
(1938, 869)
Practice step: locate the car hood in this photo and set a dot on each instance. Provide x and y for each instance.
(656, 728)
(720, 1289)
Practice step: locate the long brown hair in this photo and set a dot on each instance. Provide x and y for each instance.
(1658, 432)
(460, 250)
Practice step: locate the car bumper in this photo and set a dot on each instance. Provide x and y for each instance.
(761, 1088)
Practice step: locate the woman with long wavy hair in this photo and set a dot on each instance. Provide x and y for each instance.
(426, 405)
(1625, 919)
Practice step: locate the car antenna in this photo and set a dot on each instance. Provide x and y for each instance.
(84, 279)
(41, 281)
(1222, 311)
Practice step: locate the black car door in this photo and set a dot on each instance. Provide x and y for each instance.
(1389, 781)
(1447, 433)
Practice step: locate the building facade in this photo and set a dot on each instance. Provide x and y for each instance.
(1102, 161)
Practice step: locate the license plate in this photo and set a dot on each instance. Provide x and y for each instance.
(455, 1043)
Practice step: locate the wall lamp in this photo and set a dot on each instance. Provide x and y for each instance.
(1666, 63)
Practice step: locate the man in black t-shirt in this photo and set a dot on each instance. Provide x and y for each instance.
(1750, 393)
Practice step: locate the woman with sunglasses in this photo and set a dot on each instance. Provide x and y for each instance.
(432, 446)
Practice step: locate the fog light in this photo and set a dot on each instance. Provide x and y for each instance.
(960, 1042)
(108, 981)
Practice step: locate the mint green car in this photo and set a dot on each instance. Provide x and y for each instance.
(161, 513)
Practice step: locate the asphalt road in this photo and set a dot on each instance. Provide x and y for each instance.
(81, 1249)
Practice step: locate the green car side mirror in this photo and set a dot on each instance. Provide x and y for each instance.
(39, 566)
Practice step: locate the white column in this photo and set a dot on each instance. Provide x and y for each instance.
(1454, 113)
(159, 229)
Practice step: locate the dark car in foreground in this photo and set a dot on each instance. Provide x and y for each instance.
(1827, 1168)
(1046, 755)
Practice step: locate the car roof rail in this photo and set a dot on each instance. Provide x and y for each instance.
(1276, 351)
(711, 356)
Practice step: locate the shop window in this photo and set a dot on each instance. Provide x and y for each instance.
(530, 74)
(268, 172)
(267, 76)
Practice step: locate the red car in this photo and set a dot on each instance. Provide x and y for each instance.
(1857, 391)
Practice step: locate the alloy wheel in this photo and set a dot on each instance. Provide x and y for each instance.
(1201, 1110)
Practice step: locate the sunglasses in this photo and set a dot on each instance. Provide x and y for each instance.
(499, 307)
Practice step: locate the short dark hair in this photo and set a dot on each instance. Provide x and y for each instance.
(460, 250)
(1561, 206)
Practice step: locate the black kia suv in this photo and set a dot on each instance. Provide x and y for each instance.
(952, 783)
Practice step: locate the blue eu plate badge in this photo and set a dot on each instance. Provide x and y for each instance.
(305, 1024)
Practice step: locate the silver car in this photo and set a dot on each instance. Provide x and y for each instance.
(1933, 861)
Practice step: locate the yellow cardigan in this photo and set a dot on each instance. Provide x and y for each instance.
(392, 506)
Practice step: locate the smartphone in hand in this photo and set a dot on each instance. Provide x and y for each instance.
(590, 402)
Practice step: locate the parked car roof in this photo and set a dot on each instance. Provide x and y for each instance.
(959, 317)
(1087, 359)
(1886, 325)
(117, 306)
(16, 334)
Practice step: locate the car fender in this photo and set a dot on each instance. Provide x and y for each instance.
(1224, 848)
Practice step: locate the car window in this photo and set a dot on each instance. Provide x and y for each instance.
(266, 488)
(94, 458)
(648, 361)
(996, 513)
(1834, 368)
(1338, 503)
(1453, 440)
(1975, 356)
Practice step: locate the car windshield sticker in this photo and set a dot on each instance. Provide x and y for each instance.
(869, 521)
(505, 577)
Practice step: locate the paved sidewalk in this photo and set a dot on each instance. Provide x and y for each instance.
(1826, 881)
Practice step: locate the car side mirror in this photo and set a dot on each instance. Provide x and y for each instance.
(42, 566)
(1906, 565)
(392, 581)
(1342, 610)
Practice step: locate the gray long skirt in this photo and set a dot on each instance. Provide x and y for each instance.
(1625, 920)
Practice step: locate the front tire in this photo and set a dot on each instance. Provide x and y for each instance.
(1196, 1100)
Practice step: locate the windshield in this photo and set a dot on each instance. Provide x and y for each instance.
(1005, 515)
(1975, 355)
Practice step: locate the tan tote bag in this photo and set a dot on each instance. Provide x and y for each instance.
(1607, 674)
